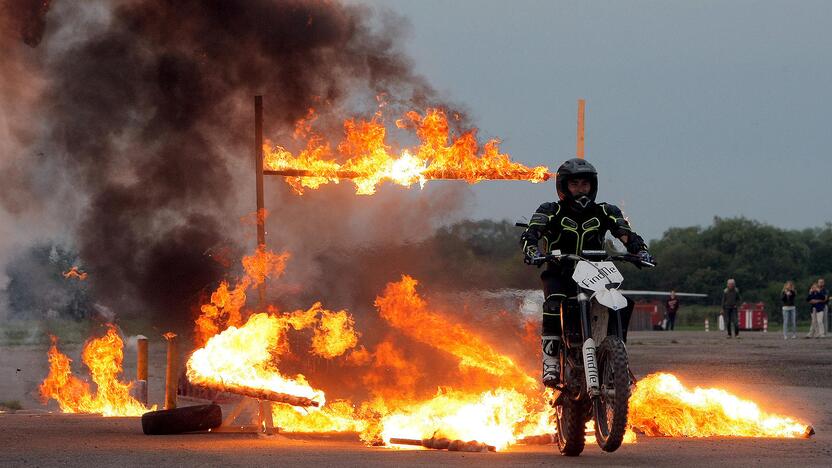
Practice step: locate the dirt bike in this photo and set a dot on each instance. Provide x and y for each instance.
(595, 382)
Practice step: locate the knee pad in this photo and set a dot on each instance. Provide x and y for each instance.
(552, 305)
(550, 324)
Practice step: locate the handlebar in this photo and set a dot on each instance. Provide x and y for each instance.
(590, 255)
(594, 255)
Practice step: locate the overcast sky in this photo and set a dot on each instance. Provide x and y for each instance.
(695, 109)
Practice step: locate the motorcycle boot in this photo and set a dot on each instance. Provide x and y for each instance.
(551, 362)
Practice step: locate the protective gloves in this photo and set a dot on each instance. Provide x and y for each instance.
(530, 255)
(645, 257)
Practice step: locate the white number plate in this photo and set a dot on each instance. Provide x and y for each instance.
(595, 276)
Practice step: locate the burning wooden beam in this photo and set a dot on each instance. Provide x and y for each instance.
(540, 439)
(261, 394)
(346, 174)
(446, 444)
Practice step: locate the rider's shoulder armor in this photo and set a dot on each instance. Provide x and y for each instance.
(614, 219)
(549, 208)
(543, 216)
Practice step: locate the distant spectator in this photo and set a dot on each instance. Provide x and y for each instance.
(817, 303)
(789, 310)
(671, 305)
(825, 292)
(731, 299)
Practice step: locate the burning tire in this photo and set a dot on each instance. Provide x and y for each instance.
(612, 406)
(179, 420)
(570, 417)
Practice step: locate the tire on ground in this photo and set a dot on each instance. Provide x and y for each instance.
(612, 352)
(570, 421)
(179, 420)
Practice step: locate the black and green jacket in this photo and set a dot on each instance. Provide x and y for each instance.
(554, 226)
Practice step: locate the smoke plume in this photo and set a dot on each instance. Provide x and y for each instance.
(129, 126)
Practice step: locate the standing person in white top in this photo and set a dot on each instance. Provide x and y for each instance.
(789, 310)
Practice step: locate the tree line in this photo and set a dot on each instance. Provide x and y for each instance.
(486, 254)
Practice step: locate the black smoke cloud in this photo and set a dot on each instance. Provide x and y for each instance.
(147, 111)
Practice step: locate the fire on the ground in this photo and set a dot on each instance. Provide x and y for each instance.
(483, 394)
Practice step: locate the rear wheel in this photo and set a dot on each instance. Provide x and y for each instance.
(612, 406)
(570, 417)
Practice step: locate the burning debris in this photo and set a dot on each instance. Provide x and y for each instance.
(446, 444)
(103, 356)
(261, 394)
(369, 160)
(74, 272)
(246, 357)
(243, 358)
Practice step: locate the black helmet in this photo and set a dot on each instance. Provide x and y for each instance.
(577, 168)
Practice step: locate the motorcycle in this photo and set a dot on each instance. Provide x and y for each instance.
(595, 381)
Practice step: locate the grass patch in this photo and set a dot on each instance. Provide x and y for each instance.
(18, 332)
(776, 328)
(36, 332)
(10, 405)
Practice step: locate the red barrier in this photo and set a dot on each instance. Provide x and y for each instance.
(752, 316)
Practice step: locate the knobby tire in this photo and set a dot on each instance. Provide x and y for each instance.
(611, 412)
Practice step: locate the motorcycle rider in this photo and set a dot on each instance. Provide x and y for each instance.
(572, 224)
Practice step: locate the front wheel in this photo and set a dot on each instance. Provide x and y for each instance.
(612, 405)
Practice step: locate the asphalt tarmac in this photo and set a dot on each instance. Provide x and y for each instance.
(789, 377)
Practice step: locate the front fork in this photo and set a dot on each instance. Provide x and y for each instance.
(593, 386)
(588, 348)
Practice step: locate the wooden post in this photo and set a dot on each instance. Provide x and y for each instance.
(258, 164)
(141, 368)
(580, 139)
(171, 379)
(141, 362)
(266, 417)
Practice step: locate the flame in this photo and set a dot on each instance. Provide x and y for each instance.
(103, 356)
(226, 304)
(369, 159)
(405, 310)
(489, 417)
(662, 405)
(497, 417)
(630, 436)
(248, 355)
(74, 272)
(390, 376)
(337, 416)
(335, 334)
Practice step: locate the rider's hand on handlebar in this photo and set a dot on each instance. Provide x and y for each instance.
(530, 255)
(646, 258)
